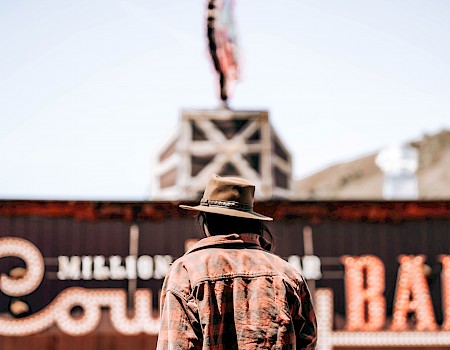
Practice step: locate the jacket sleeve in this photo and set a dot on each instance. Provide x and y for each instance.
(305, 321)
(179, 328)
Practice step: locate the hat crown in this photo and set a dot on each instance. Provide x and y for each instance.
(230, 189)
(230, 196)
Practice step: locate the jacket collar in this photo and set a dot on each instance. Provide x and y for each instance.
(244, 239)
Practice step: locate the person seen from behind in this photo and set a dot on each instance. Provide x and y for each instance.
(229, 291)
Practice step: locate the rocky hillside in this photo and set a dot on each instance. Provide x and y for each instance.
(362, 179)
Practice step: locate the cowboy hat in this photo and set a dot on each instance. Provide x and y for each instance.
(230, 196)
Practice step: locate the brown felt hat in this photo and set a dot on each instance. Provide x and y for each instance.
(230, 196)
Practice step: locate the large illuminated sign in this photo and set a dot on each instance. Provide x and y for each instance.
(364, 284)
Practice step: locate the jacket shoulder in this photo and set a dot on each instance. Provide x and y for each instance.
(177, 278)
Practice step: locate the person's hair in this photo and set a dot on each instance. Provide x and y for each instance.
(224, 225)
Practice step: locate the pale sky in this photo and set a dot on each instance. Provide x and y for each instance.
(89, 89)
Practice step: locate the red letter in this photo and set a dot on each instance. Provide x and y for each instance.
(364, 293)
(445, 259)
(412, 295)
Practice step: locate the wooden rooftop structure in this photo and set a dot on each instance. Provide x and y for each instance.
(225, 142)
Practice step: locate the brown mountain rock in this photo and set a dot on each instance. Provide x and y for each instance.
(361, 179)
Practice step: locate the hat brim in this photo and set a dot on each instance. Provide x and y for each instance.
(228, 212)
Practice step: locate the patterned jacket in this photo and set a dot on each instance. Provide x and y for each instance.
(228, 292)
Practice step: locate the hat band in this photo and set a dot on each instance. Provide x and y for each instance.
(226, 204)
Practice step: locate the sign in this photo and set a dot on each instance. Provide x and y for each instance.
(115, 267)
(366, 308)
(366, 322)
